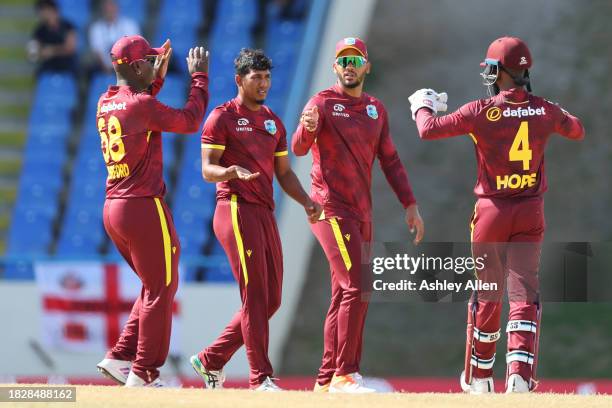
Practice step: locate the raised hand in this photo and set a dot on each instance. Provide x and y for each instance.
(197, 60)
(428, 98)
(162, 61)
(310, 118)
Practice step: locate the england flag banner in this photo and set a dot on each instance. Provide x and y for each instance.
(85, 304)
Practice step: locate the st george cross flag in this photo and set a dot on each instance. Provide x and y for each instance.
(86, 304)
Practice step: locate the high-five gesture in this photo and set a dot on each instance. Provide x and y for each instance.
(197, 61)
(161, 62)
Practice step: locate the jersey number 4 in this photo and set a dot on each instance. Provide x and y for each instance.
(519, 151)
(112, 144)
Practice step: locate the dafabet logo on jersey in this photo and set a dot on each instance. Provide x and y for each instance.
(495, 113)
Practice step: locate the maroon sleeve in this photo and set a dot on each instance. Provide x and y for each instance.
(302, 139)
(392, 167)
(156, 86)
(566, 124)
(281, 146)
(457, 123)
(186, 120)
(213, 133)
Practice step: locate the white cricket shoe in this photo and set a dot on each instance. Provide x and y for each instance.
(213, 379)
(116, 370)
(516, 384)
(268, 385)
(135, 381)
(349, 384)
(478, 385)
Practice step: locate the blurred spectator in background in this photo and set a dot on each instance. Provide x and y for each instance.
(54, 41)
(105, 31)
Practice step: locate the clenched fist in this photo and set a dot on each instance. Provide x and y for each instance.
(310, 118)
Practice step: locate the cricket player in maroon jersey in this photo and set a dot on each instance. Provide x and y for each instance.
(510, 131)
(346, 129)
(244, 145)
(130, 121)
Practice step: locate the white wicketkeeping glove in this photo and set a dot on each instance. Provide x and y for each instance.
(428, 98)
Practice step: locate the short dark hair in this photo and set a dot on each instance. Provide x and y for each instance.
(249, 59)
(40, 4)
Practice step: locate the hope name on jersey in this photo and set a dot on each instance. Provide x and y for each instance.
(510, 132)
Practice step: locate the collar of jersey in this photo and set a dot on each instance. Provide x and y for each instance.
(516, 95)
(341, 92)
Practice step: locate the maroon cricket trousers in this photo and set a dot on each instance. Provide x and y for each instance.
(248, 234)
(343, 241)
(510, 233)
(143, 231)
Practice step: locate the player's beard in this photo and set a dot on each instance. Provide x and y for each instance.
(351, 84)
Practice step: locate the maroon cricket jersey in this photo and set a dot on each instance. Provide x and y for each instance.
(510, 131)
(250, 140)
(130, 125)
(350, 134)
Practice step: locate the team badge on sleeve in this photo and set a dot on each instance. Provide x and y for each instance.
(270, 126)
(372, 112)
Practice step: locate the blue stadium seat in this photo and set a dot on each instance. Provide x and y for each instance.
(78, 12)
(99, 84)
(57, 89)
(31, 230)
(83, 233)
(222, 271)
(53, 131)
(179, 21)
(243, 11)
(190, 273)
(87, 192)
(18, 270)
(37, 191)
(134, 9)
(192, 242)
(174, 91)
(284, 34)
(89, 163)
(232, 30)
(187, 12)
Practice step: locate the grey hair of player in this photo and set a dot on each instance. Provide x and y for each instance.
(251, 59)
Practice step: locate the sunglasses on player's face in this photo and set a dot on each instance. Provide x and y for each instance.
(151, 59)
(356, 60)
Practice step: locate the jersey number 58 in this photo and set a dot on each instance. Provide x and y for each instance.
(112, 144)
